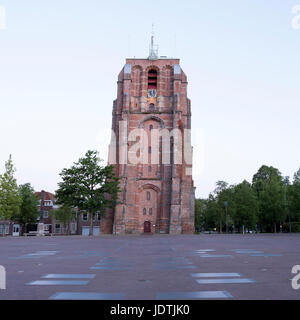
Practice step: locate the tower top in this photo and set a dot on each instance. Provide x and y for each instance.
(153, 52)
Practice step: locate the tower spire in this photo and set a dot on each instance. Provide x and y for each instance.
(153, 52)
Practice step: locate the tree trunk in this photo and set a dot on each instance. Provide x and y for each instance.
(23, 229)
(275, 227)
(91, 223)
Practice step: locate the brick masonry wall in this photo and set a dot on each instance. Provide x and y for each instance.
(162, 195)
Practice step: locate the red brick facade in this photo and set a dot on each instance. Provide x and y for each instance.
(155, 197)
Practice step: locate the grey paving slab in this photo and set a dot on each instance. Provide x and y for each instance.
(173, 267)
(215, 255)
(87, 296)
(211, 281)
(265, 255)
(194, 295)
(215, 275)
(69, 276)
(57, 283)
(110, 268)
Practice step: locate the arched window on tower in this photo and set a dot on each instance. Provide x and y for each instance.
(151, 107)
(152, 83)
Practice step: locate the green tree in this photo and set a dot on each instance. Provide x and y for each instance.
(88, 186)
(200, 209)
(221, 187)
(272, 204)
(264, 176)
(224, 197)
(65, 215)
(10, 199)
(246, 206)
(29, 206)
(293, 198)
(211, 213)
(268, 184)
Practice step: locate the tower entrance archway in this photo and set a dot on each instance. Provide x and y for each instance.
(147, 227)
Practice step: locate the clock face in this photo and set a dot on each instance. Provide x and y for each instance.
(151, 93)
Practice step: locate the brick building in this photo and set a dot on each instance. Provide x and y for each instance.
(79, 225)
(45, 207)
(157, 195)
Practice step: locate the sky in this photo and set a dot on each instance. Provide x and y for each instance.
(59, 62)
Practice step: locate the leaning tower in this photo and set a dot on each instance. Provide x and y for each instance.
(151, 149)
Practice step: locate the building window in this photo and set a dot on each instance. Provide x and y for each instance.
(148, 195)
(144, 211)
(149, 150)
(57, 228)
(6, 228)
(149, 169)
(84, 217)
(150, 211)
(151, 107)
(151, 127)
(73, 227)
(45, 214)
(97, 216)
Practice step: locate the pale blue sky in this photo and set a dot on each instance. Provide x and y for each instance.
(59, 62)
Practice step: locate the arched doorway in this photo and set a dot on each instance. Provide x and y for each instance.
(147, 227)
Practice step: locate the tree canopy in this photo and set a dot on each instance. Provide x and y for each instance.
(29, 205)
(88, 186)
(270, 202)
(10, 199)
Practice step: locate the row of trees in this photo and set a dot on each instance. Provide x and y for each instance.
(17, 203)
(271, 203)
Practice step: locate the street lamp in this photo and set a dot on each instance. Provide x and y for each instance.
(226, 213)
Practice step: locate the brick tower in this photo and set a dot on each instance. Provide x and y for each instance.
(151, 149)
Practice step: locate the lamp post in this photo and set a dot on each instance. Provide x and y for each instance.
(226, 213)
(287, 182)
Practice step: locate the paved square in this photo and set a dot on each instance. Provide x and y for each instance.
(151, 267)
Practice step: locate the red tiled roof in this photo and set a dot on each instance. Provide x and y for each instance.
(48, 195)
